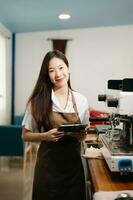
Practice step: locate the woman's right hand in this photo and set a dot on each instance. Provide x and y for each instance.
(52, 135)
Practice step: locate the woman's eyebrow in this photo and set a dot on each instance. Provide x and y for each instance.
(55, 66)
(59, 65)
(50, 67)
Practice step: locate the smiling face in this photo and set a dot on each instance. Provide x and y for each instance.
(58, 72)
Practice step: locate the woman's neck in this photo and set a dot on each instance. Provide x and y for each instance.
(62, 91)
(62, 95)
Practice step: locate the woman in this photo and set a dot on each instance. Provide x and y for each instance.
(58, 172)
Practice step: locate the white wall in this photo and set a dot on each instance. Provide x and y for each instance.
(95, 55)
(7, 34)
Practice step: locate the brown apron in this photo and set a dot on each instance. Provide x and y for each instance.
(59, 172)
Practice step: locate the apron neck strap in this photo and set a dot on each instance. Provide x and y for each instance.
(74, 102)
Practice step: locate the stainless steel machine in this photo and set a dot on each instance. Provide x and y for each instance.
(117, 141)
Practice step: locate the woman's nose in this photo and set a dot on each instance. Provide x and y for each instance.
(58, 72)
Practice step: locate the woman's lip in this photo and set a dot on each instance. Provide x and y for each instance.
(60, 79)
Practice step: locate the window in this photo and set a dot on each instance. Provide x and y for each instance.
(2, 79)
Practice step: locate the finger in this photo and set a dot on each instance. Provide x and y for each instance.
(54, 130)
(53, 138)
(56, 139)
(58, 134)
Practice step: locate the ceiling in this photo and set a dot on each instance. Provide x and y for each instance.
(42, 15)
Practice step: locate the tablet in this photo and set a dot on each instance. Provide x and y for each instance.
(73, 128)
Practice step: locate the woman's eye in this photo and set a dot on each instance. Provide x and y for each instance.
(61, 67)
(51, 70)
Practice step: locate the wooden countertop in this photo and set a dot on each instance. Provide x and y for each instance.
(103, 180)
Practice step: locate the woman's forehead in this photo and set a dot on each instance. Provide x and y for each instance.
(56, 62)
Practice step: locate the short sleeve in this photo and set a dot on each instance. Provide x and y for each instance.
(85, 113)
(86, 117)
(29, 122)
(82, 106)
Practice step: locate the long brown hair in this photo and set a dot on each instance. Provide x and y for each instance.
(40, 99)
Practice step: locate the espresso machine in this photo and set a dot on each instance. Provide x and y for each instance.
(117, 141)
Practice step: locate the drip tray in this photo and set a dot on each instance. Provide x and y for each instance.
(95, 145)
(117, 147)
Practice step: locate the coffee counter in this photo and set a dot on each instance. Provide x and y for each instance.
(101, 179)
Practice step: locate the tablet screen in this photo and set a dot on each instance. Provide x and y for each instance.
(73, 128)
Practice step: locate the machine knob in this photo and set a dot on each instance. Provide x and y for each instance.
(102, 97)
(112, 102)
